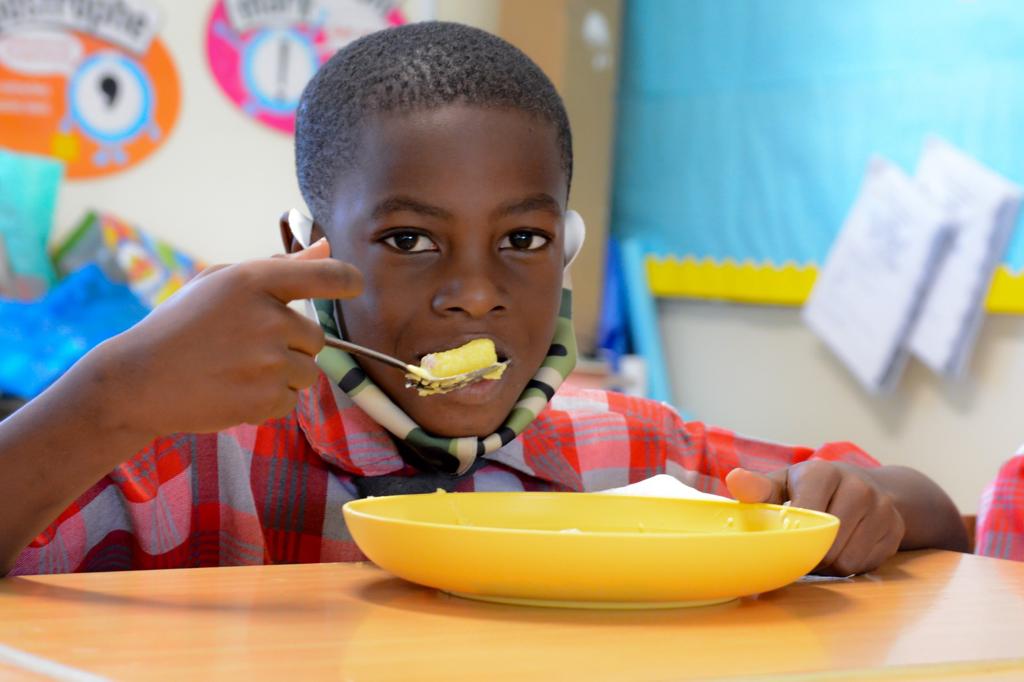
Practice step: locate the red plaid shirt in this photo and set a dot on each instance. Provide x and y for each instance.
(1000, 529)
(273, 493)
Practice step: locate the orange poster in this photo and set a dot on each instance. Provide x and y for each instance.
(86, 81)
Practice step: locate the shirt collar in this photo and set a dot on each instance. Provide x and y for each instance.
(346, 437)
(342, 434)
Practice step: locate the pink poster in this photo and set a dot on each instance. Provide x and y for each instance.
(262, 54)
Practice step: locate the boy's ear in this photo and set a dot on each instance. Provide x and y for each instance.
(575, 233)
(298, 231)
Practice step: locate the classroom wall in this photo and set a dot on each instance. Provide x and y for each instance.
(216, 187)
(758, 370)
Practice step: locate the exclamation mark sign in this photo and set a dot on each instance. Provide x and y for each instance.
(283, 54)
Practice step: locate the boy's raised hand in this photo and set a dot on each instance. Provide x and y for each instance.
(224, 350)
(227, 349)
(871, 527)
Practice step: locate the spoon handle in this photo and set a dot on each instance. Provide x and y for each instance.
(366, 352)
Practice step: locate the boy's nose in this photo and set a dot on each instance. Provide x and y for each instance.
(471, 291)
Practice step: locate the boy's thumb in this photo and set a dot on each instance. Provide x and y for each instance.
(748, 486)
(318, 249)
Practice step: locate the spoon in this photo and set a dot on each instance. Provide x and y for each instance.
(416, 376)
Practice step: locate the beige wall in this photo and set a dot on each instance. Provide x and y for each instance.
(759, 371)
(480, 13)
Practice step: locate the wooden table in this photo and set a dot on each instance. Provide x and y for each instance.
(923, 616)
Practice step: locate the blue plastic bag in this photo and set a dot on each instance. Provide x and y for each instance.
(40, 341)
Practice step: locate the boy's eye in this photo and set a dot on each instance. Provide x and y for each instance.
(524, 240)
(410, 242)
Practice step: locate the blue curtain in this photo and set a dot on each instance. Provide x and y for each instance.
(745, 125)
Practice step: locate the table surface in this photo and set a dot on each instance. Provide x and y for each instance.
(924, 615)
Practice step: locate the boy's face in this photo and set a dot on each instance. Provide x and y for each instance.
(455, 217)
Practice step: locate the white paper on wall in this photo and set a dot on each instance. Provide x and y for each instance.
(869, 290)
(983, 209)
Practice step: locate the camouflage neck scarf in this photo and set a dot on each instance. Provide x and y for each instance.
(451, 454)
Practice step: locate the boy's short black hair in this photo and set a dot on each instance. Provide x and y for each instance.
(413, 67)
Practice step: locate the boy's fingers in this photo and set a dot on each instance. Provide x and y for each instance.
(853, 556)
(849, 528)
(877, 537)
(285, 404)
(748, 486)
(812, 485)
(302, 371)
(294, 278)
(850, 505)
(318, 249)
(305, 335)
(883, 549)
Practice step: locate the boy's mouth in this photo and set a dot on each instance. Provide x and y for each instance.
(464, 354)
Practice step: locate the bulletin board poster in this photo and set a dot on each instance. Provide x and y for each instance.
(745, 129)
(263, 52)
(88, 82)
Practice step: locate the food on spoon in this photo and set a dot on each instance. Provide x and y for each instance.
(475, 355)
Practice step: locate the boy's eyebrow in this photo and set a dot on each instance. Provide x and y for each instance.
(534, 202)
(402, 203)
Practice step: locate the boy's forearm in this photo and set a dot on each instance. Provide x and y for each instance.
(56, 446)
(931, 518)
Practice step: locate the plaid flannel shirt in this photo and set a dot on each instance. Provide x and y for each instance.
(1000, 528)
(273, 493)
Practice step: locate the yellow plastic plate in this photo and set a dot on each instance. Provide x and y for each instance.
(591, 551)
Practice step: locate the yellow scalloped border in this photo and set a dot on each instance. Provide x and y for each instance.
(747, 282)
(1006, 295)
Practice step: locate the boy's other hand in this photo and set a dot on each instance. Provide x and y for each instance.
(870, 529)
(226, 349)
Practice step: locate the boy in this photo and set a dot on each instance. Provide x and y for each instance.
(436, 160)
